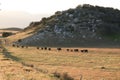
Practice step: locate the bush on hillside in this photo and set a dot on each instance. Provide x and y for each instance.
(6, 34)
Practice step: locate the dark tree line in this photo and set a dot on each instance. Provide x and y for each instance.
(6, 34)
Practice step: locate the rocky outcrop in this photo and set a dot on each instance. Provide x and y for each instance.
(85, 25)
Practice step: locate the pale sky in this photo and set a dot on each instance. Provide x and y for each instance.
(19, 13)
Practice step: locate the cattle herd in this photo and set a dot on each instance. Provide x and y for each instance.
(58, 49)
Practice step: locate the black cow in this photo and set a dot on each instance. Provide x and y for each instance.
(22, 46)
(59, 49)
(41, 48)
(37, 47)
(76, 50)
(84, 51)
(67, 49)
(45, 48)
(49, 49)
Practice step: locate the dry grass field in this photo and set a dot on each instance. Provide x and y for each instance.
(97, 64)
(12, 70)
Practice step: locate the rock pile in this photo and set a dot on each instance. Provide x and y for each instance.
(83, 25)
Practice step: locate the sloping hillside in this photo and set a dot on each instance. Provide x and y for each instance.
(86, 25)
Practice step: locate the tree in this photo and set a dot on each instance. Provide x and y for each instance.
(6, 34)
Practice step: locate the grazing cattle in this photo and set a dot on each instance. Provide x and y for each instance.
(81, 50)
(76, 50)
(67, 49)
(59, 49)
(49, 49)
(84, 51)
(45, 48)
(22, 46)
(17, 45)
(37, 47)
(71, 50)
(41, 48)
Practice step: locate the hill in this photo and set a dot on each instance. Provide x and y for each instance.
(12, 29)
(84, 26)
(9, 30)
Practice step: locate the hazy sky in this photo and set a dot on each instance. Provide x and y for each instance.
(19, 13)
